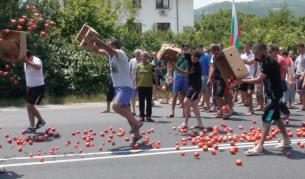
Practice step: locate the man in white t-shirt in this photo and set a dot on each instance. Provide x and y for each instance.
(133, 71)
(121, 79)
(35, 90)
(300, 74)
(245, 88)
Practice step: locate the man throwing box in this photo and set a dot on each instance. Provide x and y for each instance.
(121, 79)
(272, 80)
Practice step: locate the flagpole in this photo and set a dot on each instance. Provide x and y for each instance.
(235, 30)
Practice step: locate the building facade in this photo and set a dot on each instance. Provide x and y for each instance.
(176, 15)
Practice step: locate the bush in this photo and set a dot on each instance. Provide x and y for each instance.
(70, 70)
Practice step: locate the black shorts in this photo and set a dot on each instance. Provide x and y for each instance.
(272, 111)
(193, 94)
(35, 95)
(300, 85)
(219, 87)
(246, 87)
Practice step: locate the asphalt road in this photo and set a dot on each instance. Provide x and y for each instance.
(118, 160)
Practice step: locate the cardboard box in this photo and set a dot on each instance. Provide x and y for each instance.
(86, 31)
(168, 52)
(231, 65)
(236, 63)
(13, 45)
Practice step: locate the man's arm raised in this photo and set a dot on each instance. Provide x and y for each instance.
(99, 47)
(99, 43)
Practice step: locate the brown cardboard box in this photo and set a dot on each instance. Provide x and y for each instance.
(13, 45)
(235, 63)
(168, 52)
(86, 31)
(231, 65)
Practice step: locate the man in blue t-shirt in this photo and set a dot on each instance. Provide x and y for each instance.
(205, 61)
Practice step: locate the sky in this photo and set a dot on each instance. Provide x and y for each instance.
(200, 3)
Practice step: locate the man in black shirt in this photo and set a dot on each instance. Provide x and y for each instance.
(192, 95)
(272, 80)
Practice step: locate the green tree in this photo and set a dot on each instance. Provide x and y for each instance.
(102, 15)
(9, 9)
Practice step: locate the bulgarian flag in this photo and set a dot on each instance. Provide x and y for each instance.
(235, 30)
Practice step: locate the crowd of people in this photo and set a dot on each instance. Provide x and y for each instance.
(195, 83)
(192, 82)
(174, 78)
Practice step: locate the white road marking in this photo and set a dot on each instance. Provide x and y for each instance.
(149, 153)
(129, 151)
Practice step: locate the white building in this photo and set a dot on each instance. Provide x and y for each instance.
(176, 15)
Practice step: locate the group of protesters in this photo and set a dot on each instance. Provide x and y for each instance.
(214, 95)
(193, 82)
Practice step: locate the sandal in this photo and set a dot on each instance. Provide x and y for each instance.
(135, 129)
(135, 140)
(282, 145)
(254, 151)
(183, 126)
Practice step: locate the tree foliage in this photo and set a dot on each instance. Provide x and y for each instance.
(71, 70)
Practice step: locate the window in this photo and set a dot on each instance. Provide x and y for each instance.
(138, 27)
(162, 4)
(163, 26)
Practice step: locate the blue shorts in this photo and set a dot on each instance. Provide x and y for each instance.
(134, 93)
(180, 84)
(123, 95)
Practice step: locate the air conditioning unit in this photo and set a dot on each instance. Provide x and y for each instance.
(162, 12)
